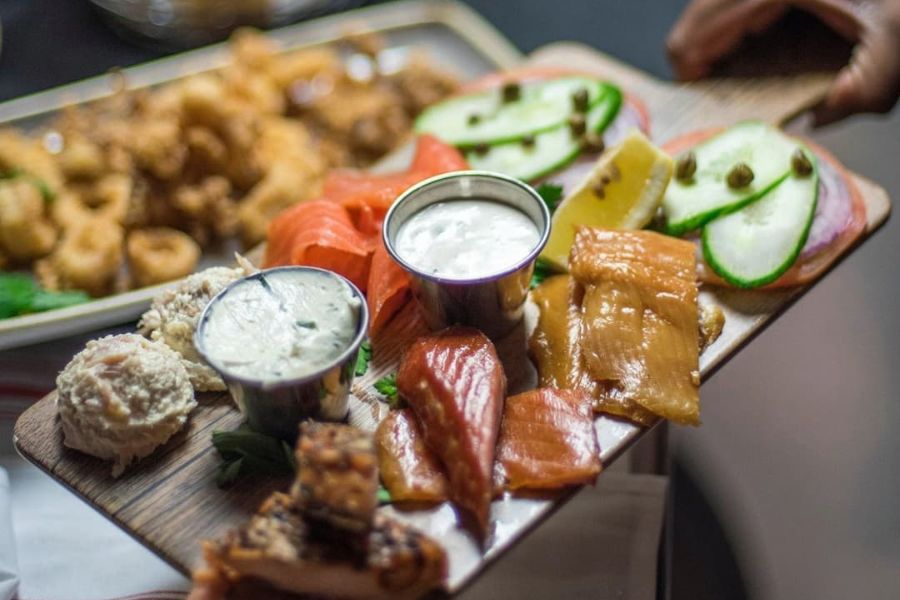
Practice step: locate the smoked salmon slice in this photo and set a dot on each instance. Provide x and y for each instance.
(640, 328)
(409, 470)
(547, 440)
(388, 289)
(319, 234)
(455, 384)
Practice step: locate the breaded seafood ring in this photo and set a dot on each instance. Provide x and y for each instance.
(87, 258)
(25, 232)
(160, 254)
(173, 315)
(122, 397)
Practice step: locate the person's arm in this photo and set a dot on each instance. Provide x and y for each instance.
(710, 29)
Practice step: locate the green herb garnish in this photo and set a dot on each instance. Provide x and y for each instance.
(383, 495)
(20, 295)
(387, 387)
(244, 451)
(551, 194)
(363, 358)
(542, 270)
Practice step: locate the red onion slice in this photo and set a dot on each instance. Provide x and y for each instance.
(834, 210)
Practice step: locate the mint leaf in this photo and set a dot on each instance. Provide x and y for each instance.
(384, 496)
(244, 451)
(44, 300)
(542, 270)
(551, 194)
(16, 294)
(387, 387)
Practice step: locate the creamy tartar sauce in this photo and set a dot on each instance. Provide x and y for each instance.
(281, 325)
(466, 238)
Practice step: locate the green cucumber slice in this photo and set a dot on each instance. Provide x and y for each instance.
(758, 243)
(552, 150)
(542, 105)
(689, 205)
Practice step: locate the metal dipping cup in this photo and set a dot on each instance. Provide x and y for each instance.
(494, 303)
(277, 408)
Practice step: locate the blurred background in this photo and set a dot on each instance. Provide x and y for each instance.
(790, 488)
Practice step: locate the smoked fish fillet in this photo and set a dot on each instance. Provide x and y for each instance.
(409, 470)
(640, 333)
(454, 382)
(547, 441)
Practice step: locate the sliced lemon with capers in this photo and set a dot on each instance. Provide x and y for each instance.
(623, 191)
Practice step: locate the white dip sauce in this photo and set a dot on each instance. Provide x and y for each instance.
(280, 325)
(466, 239)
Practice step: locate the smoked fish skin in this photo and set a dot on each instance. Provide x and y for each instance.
(640, 329)
(454, 382)
(547, 440)
(409, 470)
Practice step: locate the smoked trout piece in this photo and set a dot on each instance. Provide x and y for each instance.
(275, 548)
(547, 440)
(640, 331)
(555, 346)
(337, 476)
(409, 470)
(455, 385)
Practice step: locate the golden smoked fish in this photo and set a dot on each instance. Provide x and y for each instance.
(410, 471)
(639, 312)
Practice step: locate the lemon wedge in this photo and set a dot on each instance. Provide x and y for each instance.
(623, 191)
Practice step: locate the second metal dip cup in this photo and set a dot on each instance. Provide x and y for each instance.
(494, 303)
(277, 408)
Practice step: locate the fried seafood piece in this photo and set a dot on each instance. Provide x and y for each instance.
(27, 156)
(337, 477)
(640, 333)
(454, 382)
(205, 210)
(173, 315)
(275, 548)
(88, 257)
(409, 470)
(26, 232)
(547, 441)
(122, 397)
(160, 254)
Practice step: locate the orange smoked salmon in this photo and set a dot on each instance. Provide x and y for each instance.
(547, 441)
(455, 385)
(640, 326)
(409, 470)
(388, 289)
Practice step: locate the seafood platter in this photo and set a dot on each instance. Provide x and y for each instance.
(461, 288)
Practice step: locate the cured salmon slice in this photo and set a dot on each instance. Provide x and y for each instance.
(319, 234)
(640, 333)
(409, 470)
(547, 440)
(388, 289)
(455, 384)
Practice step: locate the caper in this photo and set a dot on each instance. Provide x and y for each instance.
(801, 164)
(481, 149)
(577, 124)
(580, 100)
(740, 176)
(528, 141)
(686, 166)
(474, 119)
(592, 143)
(599, 190)
(511, 92)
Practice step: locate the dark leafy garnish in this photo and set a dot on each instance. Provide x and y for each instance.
(20, 295)
(551, 194)
(387, 387)
(542, 270)
(363, 358)
(244, 451)
(384, 496)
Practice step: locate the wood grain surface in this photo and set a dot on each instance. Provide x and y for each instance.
(169, 501)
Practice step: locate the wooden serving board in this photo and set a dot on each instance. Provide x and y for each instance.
(169, 501)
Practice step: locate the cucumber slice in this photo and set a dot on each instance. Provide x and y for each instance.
(552, 150)
(758, 243)
(690, 205)
(542, 105)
